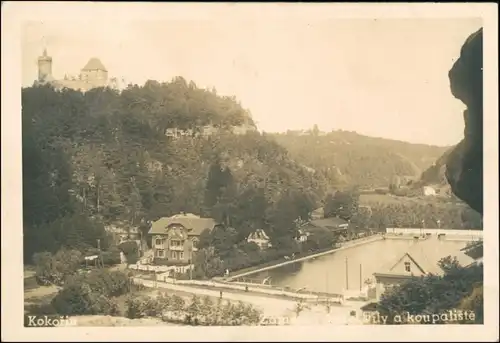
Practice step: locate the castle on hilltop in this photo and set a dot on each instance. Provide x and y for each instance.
(94, 74)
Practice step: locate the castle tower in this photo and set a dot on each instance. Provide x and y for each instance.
(44, 67)
(95, 73)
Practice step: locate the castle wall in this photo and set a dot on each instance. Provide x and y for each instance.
(95, 76)
(76, 84)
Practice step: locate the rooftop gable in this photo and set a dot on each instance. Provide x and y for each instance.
(194, 224)
(94, 64)
(427, 260)
(412, 259)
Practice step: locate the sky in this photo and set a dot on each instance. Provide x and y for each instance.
(380, 77)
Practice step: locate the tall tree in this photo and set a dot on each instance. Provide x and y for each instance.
(343, 204)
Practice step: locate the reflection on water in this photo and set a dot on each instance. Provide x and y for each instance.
(349, 268)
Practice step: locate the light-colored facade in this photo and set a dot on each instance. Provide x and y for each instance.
(414, 263)
(260, 238)
(318, 213)
(93, 75)
(472, 235)
(303, 236)
(122, 232)
(174, 239)
(429, 191)
(207, 131)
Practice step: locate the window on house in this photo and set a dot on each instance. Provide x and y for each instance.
(181, 255)
(174, 254)
(407, 267)
(158, 241)
(160, 253)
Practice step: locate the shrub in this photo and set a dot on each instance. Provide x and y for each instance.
(54, 269)
(144, 306)
(102, 304)
(44, 274)
(198, 312)
(111, 257)
(74, 299)
(130, 250)
(177, 303)
(91, 293)
(133, 308)
(111, 284)
(164, 300)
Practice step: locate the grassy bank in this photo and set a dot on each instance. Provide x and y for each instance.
(235, 273)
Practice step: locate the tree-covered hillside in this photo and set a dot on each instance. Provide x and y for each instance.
(357, 159)
(435, 174)
(103, 156)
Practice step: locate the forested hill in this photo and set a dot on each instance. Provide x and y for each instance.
(435, 174)
(104, 156)
(357, 159)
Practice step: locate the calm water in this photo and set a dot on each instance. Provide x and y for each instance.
(328, 273)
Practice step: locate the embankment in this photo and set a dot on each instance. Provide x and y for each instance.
(346, 245)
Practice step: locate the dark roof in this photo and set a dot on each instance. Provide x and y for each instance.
(332, 223)
(94, 64)
(194, 224)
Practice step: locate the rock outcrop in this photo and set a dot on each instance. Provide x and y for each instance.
(464, 167)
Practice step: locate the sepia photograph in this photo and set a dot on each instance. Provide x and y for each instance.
(234, 168)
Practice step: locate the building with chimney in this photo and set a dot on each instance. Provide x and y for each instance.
(174, 239)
